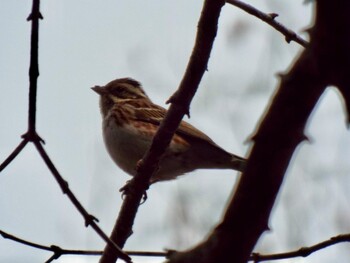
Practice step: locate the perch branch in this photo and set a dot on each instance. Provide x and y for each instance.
(180, 103)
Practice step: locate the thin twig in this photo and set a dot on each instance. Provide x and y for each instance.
(58, 251)
(34, 63)
(13, 155)
(302, 252)
(89, 219)
(256, 257)
(24, 242)
(290, 35)
(180, 102)
(33, 76)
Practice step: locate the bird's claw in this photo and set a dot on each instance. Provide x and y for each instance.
(129, 188)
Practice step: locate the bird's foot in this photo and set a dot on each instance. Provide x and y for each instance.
(130, 189)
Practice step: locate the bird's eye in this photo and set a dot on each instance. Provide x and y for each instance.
(117, 91)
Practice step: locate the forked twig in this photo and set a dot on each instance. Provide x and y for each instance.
(32, 136)
(58, 251)
(90, 220)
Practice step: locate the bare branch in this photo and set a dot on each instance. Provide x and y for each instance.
(33, 76)
(180, 101)
(32, 136)
(270, 19)
(24, 242)
(89, 219)
(34, 63)
(58, 251)
(256, 257)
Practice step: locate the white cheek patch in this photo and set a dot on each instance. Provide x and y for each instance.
(114, 98)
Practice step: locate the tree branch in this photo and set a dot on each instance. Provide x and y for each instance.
(256, 257)
(180, 103)
(34, 63)
(89, 219)
(270, 19)
(58, 251)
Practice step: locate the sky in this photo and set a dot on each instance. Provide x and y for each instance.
(87, 43)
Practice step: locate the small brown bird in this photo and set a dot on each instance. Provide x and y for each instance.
(130, 121)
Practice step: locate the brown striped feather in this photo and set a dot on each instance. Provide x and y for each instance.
(153, 113)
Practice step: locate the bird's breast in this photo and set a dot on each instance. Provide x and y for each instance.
(125, 146)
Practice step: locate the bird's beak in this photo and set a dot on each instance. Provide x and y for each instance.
(99, 90)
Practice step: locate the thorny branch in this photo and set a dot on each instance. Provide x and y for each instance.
(269, 19)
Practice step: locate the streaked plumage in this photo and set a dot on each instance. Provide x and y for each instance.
(130, 120)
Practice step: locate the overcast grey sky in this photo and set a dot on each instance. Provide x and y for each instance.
(87, 43)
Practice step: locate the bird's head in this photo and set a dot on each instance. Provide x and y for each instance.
(117, 91)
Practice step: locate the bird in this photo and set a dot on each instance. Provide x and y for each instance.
(129, 122)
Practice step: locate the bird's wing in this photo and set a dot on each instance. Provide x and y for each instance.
(156, 114)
